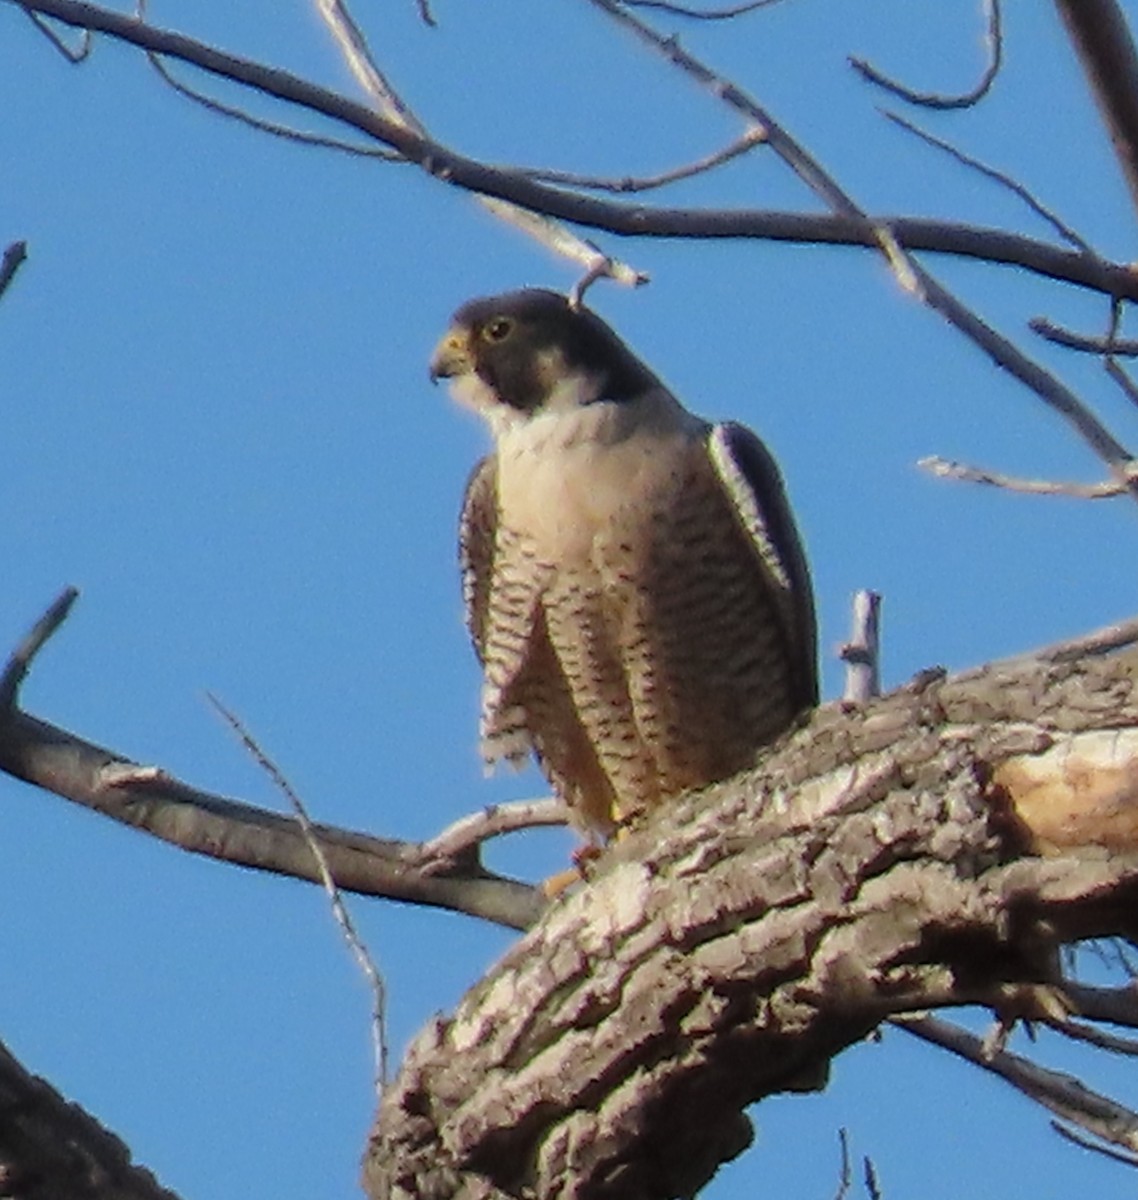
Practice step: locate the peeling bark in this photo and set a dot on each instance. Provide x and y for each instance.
(874, 863)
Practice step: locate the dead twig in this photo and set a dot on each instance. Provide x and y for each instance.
(597, 183)
(73, 56)
(1073, 1135)
(862, 653)
(1087, 343)
(702, 14)
(343, 917)
(944, 468)
(1064, 1095)
(1001, 177)
(466, 835)
(994, 44)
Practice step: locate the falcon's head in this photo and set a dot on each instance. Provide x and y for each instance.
(524, 353)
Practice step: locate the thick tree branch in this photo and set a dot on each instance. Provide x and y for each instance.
(874, 864)
(626, 220)
(150, 800)
(51, 1149)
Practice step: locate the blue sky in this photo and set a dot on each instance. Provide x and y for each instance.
(219, 427)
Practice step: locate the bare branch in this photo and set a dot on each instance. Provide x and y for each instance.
(740, 146)
(361, 62)
(912, 233)
(75, 56)
(872, 1187)
(13, 256)
(468, 833)
(271, 127)
(1086, 1143)
(845, 1175)
(1101, 37)
(153, 801)
(343, 917)
(944, 468)
(1063, 336)
(702, 14)
(425, 14)
(1060, 226)
(1118, 373)
(20, 660)
(994, 44)
(1079, 1032)
(1063, 1095)
(563, 241)
(909, 273)
(862, 653)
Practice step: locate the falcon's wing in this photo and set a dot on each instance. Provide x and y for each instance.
(754, 484)
(476, 535)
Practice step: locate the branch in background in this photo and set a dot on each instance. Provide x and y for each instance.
(994, 43)
(13, 256)
(148, 799)
(1061, 227)
(909, 273)
(990, 245)
(944, 468)
(1062, 336)
(1101, 37)
(862, 653)
(1061, 1094)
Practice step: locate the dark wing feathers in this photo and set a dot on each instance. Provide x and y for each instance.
(765, 512)
(476, 535)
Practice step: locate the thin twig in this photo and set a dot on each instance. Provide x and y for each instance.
(360, 61)
(562, 240)
(259, 123)
(1062, 336)
(468, 833)
(343, 918)
(909, 273)
(994, 43)
(425, 14)
(1064, 1095)
(73, 56)
(629, 183)
(20, 660)
(1001, 177)
(13, 257)
(1080, 1032)
(862, 653)
(1072, 1135)
(944, 468)
(702, 14)
(872, 1187)
(845, 1174)
(627, 220)
(1118, 373)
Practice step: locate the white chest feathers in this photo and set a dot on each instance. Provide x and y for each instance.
(572, 481)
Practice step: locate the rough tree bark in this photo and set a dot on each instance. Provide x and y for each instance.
(882, 860)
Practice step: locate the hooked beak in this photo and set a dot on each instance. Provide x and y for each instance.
(451, 356)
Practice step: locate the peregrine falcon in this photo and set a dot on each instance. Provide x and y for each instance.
(634, 582)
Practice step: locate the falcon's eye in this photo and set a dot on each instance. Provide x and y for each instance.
(498, 329)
